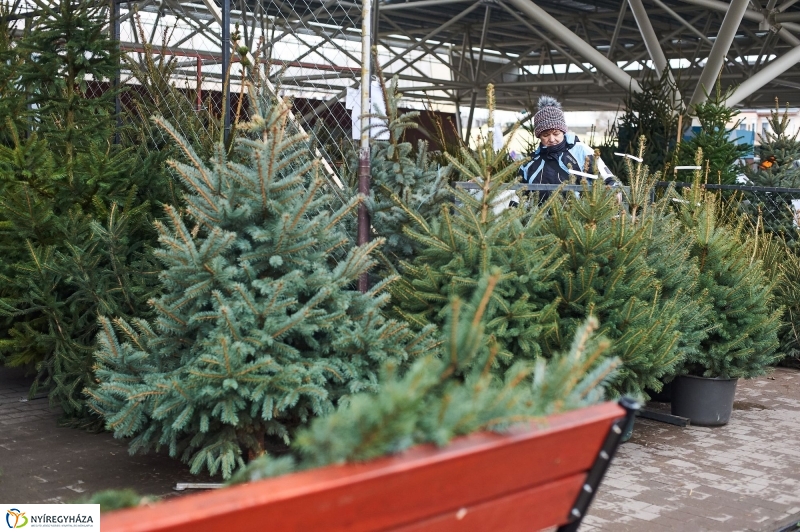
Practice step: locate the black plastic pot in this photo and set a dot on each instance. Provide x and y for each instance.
(705, 401)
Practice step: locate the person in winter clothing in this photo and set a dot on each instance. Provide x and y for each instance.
(560, 152)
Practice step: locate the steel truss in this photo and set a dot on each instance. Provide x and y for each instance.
(588, 54)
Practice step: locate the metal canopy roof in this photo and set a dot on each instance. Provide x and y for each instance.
(520, 45)
(586, 53)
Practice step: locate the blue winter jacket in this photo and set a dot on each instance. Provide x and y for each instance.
(551, 165)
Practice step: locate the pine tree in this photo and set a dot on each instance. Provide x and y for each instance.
(777, 151)
(721, 153)
(75, 220)
(259, 327)
(448, 393)
(781, 265)
(742, 338)
(652, 113)
(66, 47)
(12, 101)
(628, 265)
(408, 177)
(464, 241)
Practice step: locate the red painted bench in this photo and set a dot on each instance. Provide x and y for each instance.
(534, 477)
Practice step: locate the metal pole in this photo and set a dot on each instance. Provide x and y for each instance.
(753, 16)
(601, 62)
(652, 44)
(226, 62)
(477, 72)
(683, 21)
(364, 155)
(472, 102)
(727, 31)
(787, 17)
(375, 23)
(620, 17)
(459, 126)
(765, 75)
(420, 3)
(199, 82)
(117, 100)
(484, 31)
(649, 36)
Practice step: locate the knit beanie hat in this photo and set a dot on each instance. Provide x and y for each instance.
(549, 116)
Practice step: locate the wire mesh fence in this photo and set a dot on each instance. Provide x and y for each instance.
(305, 50)
(776, 210)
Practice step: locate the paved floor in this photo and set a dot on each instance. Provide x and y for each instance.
(742, 476)
(41, 462)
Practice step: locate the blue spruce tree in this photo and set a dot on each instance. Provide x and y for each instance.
(259, 327)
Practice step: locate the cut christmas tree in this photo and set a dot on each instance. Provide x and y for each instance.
(626, 262)
(259, 327)
(401, 175)
(465, 240)
(742, 336)
(717, 141)
(75, 215)
(778, 152)
(449, 392)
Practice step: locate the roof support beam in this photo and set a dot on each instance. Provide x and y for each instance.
(441, 28)
(617, 27)
(765, 75)
(477, 72)
(683, 21)
(577, 62)
(601, 62)
(727, 31)
(753, 16)
(652, 44)
(419, 3)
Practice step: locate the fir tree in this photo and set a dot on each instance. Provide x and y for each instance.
(782, 266)
(777, 150)
(259, 327)
(721, 153)
(75, 231)
(12, 101)
(742, 338)
(628, 265)
(448, 393)
(66, 48)
(400, 175)
(651, 113)
(464, 241)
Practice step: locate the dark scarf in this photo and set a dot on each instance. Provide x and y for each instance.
(551, 152)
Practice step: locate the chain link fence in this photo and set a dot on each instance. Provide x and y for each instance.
(308, 51)
(777, 210)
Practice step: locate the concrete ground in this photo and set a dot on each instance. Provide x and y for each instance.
(41, 462)
(743, 476)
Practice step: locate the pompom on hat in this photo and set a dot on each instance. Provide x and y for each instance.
(549, 116)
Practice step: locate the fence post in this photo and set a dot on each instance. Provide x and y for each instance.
(363, 154)
(115, 33)
(226, 62)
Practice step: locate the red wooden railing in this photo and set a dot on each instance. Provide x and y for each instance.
(526, 480)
